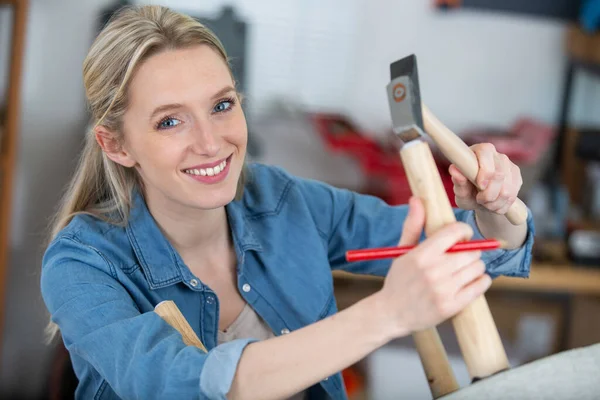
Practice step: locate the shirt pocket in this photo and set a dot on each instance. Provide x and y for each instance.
(105, 392)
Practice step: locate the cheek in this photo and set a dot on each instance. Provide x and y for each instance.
(238, 130)
(158, 153)
(241, 136)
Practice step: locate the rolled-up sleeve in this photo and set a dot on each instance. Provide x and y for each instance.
(138, 354)
(513, 262)
(352, 220)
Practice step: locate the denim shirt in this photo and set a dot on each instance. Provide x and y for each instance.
(101, 283)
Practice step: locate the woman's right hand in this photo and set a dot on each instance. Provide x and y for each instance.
(427, 285)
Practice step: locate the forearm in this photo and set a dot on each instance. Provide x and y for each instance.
(280, 367)
(496, 226)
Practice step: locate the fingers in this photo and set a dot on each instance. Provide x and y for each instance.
(468, 293)
(499, 179)
(458, 177)
(462, 187)
(464, 190)
(500, 182)
(516, 182)
(485, 156)
(454, 292)
(451, 263)
(453, 271)
(502, 189)
(464, 276)
(443, 239)
(413, 225)
(465, 286)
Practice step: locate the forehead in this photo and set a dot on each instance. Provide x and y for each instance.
(179, 75)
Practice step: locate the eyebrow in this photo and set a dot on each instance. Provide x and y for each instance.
(172, 106)
(163, 108)
(223, 91)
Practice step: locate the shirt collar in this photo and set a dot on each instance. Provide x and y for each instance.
(244, 237)
(159, 260)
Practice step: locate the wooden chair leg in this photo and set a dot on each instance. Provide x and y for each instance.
(476, 331)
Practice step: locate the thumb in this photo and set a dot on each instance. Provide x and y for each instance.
(413, 225)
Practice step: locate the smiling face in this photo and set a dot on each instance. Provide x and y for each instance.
(184, 130)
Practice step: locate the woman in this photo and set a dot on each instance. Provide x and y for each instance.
(162, 207)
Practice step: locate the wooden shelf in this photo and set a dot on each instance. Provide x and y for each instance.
(543, 278)
(10, 132)
(555, 279)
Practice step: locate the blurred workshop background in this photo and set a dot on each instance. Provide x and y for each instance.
(523, 75)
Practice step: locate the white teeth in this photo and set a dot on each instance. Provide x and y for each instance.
(217, 169)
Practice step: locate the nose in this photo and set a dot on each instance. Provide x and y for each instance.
(206, 141)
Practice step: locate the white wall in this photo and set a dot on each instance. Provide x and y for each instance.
(299, 49)
(474, 68)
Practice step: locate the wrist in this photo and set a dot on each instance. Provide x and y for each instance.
(497, 226)
(385, 321)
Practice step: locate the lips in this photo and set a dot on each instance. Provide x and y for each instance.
(209, 165)
(210, 172)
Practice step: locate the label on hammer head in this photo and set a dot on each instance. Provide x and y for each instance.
(401, 101)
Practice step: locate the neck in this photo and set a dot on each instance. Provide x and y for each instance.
(191, 229)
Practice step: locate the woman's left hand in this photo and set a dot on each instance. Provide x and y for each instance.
(499, 179)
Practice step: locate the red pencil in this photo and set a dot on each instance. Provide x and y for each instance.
(391, 252)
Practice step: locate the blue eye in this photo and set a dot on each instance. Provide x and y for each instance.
(223, 106)
(168, 122)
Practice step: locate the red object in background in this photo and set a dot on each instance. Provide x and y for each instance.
(381, 164)
(448, 3)
(524, 143)
(353, 381)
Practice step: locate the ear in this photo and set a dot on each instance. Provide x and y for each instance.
(112, 148)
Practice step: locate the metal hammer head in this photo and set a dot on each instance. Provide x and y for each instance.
(404, 99)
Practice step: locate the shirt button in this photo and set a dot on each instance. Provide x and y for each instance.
(210, 299)
(194, 282)
(246, 288)
(285, 331)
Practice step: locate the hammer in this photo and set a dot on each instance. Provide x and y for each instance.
(475, 329)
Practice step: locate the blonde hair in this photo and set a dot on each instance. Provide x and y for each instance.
(101, 187)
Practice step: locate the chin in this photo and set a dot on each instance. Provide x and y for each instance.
(215, 198)
(218, 202)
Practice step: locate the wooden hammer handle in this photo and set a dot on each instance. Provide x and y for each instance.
(428, 343)
(464, 158)
(435, 362)
(169, 311)
(475, 329)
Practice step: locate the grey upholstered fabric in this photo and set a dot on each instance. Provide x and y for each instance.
(570, 375)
